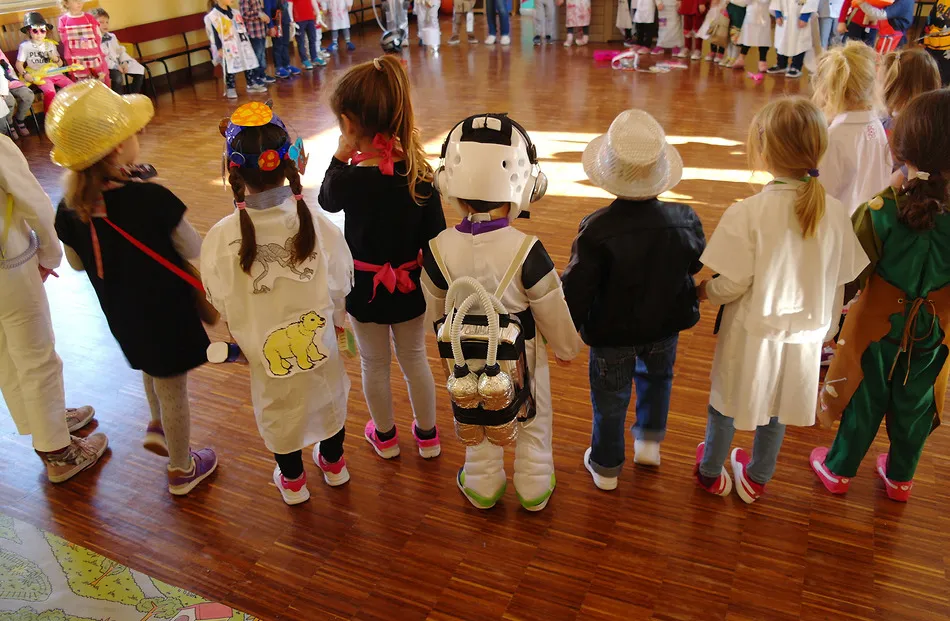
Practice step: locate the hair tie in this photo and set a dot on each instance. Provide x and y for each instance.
(240, 206)
(813, 172)
(923, 176)
(377, 64)
(298, 197)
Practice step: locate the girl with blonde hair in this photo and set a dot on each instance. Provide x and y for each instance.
(857, 164)
(783, 257)
(380, 178)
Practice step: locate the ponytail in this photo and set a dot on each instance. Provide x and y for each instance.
(84, 187)
(810, 206)
(306, 238)
(846, 80)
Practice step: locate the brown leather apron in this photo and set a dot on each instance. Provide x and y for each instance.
(868, 321)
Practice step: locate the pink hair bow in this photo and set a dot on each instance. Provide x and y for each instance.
(384, 148)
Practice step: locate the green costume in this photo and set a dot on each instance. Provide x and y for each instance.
(892, 354)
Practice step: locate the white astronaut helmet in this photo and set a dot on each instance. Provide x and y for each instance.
(490, 157)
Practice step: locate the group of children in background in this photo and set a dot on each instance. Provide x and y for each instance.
(284, 279)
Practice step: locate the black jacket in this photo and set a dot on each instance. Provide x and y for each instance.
(630, 278)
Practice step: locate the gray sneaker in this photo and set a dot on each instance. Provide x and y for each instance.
(256, 88)
(77, 418)
(82, 453)
(231, 93)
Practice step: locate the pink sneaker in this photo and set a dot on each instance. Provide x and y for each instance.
(749, 491)
(896, 490)
(721, 486)
(832, 482)
(428, 449)
(387, 449)
(155, 439)
(294, 492)
(680, 52)
(657, 51)
(334, 474)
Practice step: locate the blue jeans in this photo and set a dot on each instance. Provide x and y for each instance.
(719, 432)
(281, 51)
(307, 30)
(826, 26)
(260, 50)
(613, 370)
(499, 8)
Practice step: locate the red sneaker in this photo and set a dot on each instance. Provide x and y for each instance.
(387, 449)
(294, 492)
(749, 491)
(721, 486)
(896, 490)
(832, 482)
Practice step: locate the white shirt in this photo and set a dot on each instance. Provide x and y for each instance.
(858, 163)
(116, 54)
(35, 55)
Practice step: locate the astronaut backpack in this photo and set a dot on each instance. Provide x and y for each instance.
(482, 347)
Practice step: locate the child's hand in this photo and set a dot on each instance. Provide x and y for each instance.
(123, 68)
(46, 273)
(779, 21)
(802, 23)
(265, 18)
(702, 8)
(344, 150)
(842, 28)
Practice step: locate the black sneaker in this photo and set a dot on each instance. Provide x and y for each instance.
(794, 73)
(537, 40)
(777, 69)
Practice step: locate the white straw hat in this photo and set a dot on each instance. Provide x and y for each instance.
(633, 160)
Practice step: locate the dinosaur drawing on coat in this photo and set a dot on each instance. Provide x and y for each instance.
(281, 255)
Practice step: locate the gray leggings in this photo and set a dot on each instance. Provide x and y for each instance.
(168, 402)
(20, 98)
(373, 340)
(765, 447)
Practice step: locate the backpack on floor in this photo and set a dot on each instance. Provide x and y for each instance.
(482, 347)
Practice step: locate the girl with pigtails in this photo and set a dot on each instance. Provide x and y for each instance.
(278, 272)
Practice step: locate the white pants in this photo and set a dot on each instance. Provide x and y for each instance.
(534, 461)
(544, 13)
(31, 374)
(428, 20)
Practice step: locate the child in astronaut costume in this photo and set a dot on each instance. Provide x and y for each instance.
(490, 175)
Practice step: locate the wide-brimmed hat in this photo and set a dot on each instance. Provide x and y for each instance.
(87, 121)
(633, 160)
(34, 18)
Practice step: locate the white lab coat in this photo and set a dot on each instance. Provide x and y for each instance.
(486, 257)
(757, 25)
(116, 55)
(31, 374)
(235, 54)
(670, 24)
(624, 18)
(790, 40)
(645, 11)
(306, 405)
(858, 163)
(769, 350)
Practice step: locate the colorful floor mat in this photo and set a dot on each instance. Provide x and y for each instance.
(46, 578)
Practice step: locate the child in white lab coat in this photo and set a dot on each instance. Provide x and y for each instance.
(118, 59)
(857, 164)
(31, 374)
(783, 257)
(670, 24)
(793, 35)
(278, 272)
(231, 47)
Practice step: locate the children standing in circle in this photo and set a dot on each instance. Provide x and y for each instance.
(670, 24)
(756, 32)
(693, 12)
(150, 308)
(31, 374)
(231, 47)
(499, 8)
(380, 178)
(278, 272)
(857, 164)
(891, 363)
(578, 22)
(783, 257)
(338, 13)
(793, 35)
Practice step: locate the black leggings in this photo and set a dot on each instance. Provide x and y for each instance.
(763, 52)
(716, 49)
(586, 30)
(291, 464)
(797, 61)
(645, 34)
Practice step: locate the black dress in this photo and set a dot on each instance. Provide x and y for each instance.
(383, 225)
(151, 311)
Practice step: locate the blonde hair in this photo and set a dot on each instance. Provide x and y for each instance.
(83, 191)
(846, 80)
(789, 136)
(907, 73)
(375, 95)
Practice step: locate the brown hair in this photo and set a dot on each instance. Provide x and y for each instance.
(84, 187)
(789, 135)
(259, 140)
(845, 80)
(99, 12)
(375, 95)
(907, 73)
(921, 138)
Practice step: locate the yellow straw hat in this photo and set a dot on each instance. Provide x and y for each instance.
(87, 121)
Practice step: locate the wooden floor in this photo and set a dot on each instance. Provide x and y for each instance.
(399, 541)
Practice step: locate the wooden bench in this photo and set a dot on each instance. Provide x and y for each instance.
(174, 27)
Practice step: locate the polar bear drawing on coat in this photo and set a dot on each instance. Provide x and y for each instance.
(294, 342)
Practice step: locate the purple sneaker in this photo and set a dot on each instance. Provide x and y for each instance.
(155, 439)
(203, 463)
